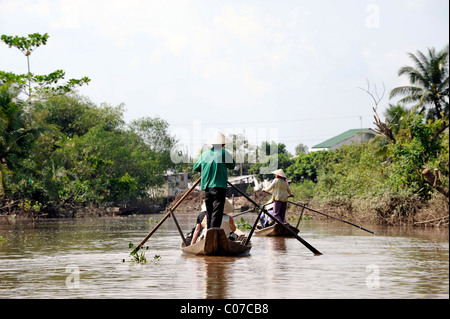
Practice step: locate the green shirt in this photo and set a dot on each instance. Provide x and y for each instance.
(213, 164)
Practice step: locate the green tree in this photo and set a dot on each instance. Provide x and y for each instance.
(270, 163)
(17, 133)
(154, 132)
(307, 166)
(39, 86)
(270, 148)
(75, 115)
(26, 46)
(301, 149)
(419, 144)
(429, 83)
(110, 165)
(243, 153)
(396, 117)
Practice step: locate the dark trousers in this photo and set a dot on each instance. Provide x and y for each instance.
(279, 210)
(215, 202)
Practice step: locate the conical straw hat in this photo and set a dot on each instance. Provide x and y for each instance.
(279, 172)
(218, 139)
(228, 208)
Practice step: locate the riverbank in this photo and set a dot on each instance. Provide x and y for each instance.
(14, 209)
(385, 210)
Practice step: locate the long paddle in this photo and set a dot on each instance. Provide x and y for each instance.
(171, 210)
(316, 211)
(306, 244)
(242, 213)
(300, 218)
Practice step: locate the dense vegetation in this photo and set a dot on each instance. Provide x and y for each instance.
(72, 153)
(400, 176)
(60, 152)
(402, 172)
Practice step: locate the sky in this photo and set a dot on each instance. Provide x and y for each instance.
(290, 71)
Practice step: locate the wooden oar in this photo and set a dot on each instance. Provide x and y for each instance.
(242, 213)
(263, 209)
(300, 218)
(249, 210)
(171, 210)
(178, 227)
(316, 211)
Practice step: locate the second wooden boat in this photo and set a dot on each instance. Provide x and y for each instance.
(217, 243)
(276, 230)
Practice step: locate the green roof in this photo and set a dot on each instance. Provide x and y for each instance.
(340, 138)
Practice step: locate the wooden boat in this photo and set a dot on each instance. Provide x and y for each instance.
(216, 243)
(276, 230)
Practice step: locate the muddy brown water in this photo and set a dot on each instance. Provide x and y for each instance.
(89, 258)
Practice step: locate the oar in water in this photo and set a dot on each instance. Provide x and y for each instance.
(261, 210)
(300, 218)
(242, 213)
(249, 210)
(170, 212)
(178, 227)
(316, 211)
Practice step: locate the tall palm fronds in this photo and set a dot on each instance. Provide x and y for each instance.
(397, 117)
(429, 83)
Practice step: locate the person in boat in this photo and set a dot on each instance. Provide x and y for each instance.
(199, 225)
(265, 220)
(227, 223)
(280, 192)
(213, 165)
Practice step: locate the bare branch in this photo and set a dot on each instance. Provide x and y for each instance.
(382, 127)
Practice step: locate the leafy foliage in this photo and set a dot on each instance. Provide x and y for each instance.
(428, 83)
(39, 86)
(26, 44)
(89, 156)
(59, 148)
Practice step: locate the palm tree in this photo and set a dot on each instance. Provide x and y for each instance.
(429, 83)
(397, 117)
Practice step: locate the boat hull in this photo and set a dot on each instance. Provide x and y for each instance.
(216, 243)
(276, 231)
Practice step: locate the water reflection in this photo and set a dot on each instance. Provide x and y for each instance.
(213, 273)
(34, 262)
(277, 244)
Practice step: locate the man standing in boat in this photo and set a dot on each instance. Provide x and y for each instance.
(213, 165)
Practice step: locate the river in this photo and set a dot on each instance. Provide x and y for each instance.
(89, 258)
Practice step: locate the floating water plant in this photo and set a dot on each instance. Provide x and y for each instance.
(139, 256)
(151, 221)
(242, 224)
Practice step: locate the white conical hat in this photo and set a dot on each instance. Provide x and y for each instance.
(228, 208)
(218, 139)
(279, 172)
